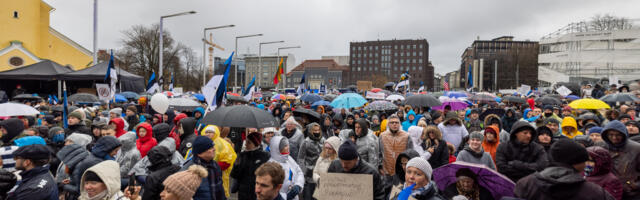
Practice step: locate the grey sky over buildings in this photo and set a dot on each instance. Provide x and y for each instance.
(325, 27)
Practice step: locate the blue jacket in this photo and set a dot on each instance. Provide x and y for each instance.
(406, 124)
(211, 186)
(36, 184)
(198, 120)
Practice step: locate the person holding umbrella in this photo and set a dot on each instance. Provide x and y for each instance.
(467, 186)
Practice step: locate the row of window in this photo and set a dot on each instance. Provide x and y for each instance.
(402, 46)
(395, 68)
(402, 61)
(375, 55)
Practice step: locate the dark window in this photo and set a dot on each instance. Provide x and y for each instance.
(15, 14)
(16, 61)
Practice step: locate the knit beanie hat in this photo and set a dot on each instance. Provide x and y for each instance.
(185, 183)
(92, 176)
(117, 111)
(567, 151)
(80, 139)
(348, 151)
(255, 138)
(476, 135)
(132, 109)
(422, 164)
(77, 114)
(269, 129)
(334, 141)
(595, 129)
(201, 144)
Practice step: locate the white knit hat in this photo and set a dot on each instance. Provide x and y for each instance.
(269, 129)
(421, 164)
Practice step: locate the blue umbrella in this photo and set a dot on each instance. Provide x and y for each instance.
(311, 98)
(199, 97)
(348, 100)
(130, 95)
(455, 94)
(573, 97)
(498, 99)
(320, 103)
(120, 99)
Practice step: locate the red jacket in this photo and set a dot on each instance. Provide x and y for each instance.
(174, 134)
(146, 142)
(119, 122)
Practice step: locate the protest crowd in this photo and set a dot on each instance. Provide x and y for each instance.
(441, 145)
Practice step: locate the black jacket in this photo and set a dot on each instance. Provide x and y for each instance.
(362, 168)
(516, 160)
(78, 128)
(559, 183)
(37, 184)
(7, 181)
(409, 154)
(243, 171)
(189, 135)
(132, 121)
(160, 169)
(161, 131)
(440, 155)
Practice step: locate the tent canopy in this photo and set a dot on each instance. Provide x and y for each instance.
(46, 70)
(129, 81)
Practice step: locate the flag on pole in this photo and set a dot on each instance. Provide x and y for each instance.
(65, 111)
(402, 84)
(221, 90)
(279, 73)
(421, 86)
(171, 84)
(248, 93)
(445, 85)
(323, 89)
(152, 84)
(470, 76)
(301, 87)
(112, 76)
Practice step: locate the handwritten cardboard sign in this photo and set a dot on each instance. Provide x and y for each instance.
(339, 186)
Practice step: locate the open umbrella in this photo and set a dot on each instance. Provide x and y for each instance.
(381, 106)
(422, 100)
(310, 98)
(495, 111)
(199, 97)
(376, 90)
(290, 97)
(159, 102)
(588, 104)
(620, 97)
(395, 97)
(454, 94)
(498, 184)
(320, 103)
(279, 97)
(348, 100)
(236, 99)
(454, 103)
(26, 97)
(83, 97)
(16, 109)
(329, 97)
(119, 98)
(572, 97)
(240, 116)
(313, 116)
(483, 97)
(547, 100)
(513, 99)
(130, 95)
(437, 94)
(389, 84)
(183, 104)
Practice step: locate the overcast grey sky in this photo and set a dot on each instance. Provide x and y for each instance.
(325, 27)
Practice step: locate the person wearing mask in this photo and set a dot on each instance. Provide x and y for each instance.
(225, 155)
(132, 117)
(349, 162)
(520, 156)
(563, 179)
(294, 178)
(467, 185)
(145, 140)
(36, 183)
(293, 132)
(434, 146)
(365, 140)
(101, 181)
(128, 154)
(327, 156)
(548, 113)
(598, 170)
(570, 127)
(309, 153)
(203, 155)
(418, 183)
(159, 169)
(452, 129)
(626, 156)
(183, 185)
(186, 131)
(473, 153)
(244, 180)
(269, 181)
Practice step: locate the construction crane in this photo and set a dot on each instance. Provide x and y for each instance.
(211, 46)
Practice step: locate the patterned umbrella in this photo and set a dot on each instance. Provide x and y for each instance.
(395, 97)
(498, 184)
(422, 100)
(381, 106)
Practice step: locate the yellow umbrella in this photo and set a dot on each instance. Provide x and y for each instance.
(588, 104)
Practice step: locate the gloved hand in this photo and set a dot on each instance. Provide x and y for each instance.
(7, 181)
(295, 190)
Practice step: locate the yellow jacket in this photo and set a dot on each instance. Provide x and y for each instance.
(224, 153)
(570, 122)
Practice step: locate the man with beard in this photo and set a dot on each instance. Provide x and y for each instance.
(392, 142)
(37, 183)
(520, 156)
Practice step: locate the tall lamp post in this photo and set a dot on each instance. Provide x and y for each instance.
(260, 59)
(236, 57)
(161, 48)
(285, 70)
(204, 50)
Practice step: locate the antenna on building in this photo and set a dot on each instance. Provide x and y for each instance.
(478, 37)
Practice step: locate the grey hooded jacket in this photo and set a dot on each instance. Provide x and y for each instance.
(140, 168)
(128, 154)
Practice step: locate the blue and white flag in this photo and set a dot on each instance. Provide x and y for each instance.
(216, 89)
(112, 76)
(301, 87)
(248, 92)
(152, 84)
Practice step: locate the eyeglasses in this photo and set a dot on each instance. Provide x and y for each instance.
(394, 122)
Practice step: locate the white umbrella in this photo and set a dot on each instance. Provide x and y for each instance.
(159, 103)
(394, 97)
(16, 109)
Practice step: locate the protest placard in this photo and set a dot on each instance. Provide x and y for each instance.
(340, 186)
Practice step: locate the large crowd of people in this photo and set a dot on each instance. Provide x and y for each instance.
(546, 151)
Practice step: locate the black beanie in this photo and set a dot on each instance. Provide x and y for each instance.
(348, 151)
(569, 152)
(92, 176)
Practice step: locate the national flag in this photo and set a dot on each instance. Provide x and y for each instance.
(171, 84)
(221, 90)
(470, 76)
(401, 84)
(323, 89)
(248, 93)
(445, 85)
(65, 110)
(301, 87)
(112, 76)
(279, 73)
(152, 84)
(421, 86)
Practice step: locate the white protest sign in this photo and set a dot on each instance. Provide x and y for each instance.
(375, 95)
(104, 92)
(340, 186)
(564, 91)
(524, 89)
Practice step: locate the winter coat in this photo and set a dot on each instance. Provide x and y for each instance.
(293, 174)
(144, 144)
(99, 152)
(368, 145)
(474, 125)
(362, 168)
(188, 136)
(470, 156)
(559, 183)
(119, 122)
(327, 131)
(570, 122)
(201, 111)
(407, 123)
(309, 153)
(295, 138)
(492, 147)
(243, 171)
(211, 186)
(159, 170)
(128, 154)
(400, 173)
(36, 184)
(503, 135)
(452, 190)
(132, 121)
(70, 155)
(507, 122)
(175, 122)
(392, 145)
(430, 193)
(601, 174)
(14, 127)
(78, 128)
(161, 131)
(225, 155)
(440, 155)
(322, 165)
(140, 168)
(626, 159)
(108, 173)
(516, 160)
(453, 133)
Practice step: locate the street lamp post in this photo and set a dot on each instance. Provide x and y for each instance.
(236, 57)
(204, 50)
(278, 59)
(260, 59)
(160, 49)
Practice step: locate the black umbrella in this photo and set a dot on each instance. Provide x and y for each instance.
(620, 97)
(312, 115)
(557, 96)
(240, 116)
(329, 97)
(513, 99)
(83, 97)
(422, 100)
(482, 97)
(236, 98)
(546, 100)
(389, 84)
(28, 97)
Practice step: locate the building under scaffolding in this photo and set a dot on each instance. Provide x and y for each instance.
(585, 51)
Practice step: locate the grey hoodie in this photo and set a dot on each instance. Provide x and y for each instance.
(128, 154)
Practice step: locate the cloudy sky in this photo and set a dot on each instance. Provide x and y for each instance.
(325, 27)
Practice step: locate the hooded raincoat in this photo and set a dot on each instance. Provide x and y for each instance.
(408, 123)
(559, 182)
(146, 142)
(601, 173)
(108, 173)
(367, 143)
(188, 135)
(128, 154)
(293, 175)
(570, 122)
(295, 137)
(491, 147)
(119, 122)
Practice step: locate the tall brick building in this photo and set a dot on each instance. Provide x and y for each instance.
(384, 61)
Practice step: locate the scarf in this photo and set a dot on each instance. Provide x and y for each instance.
(101, 195)
(471, 195)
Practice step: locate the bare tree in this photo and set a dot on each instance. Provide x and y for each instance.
(192, 63)
(609, 22)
